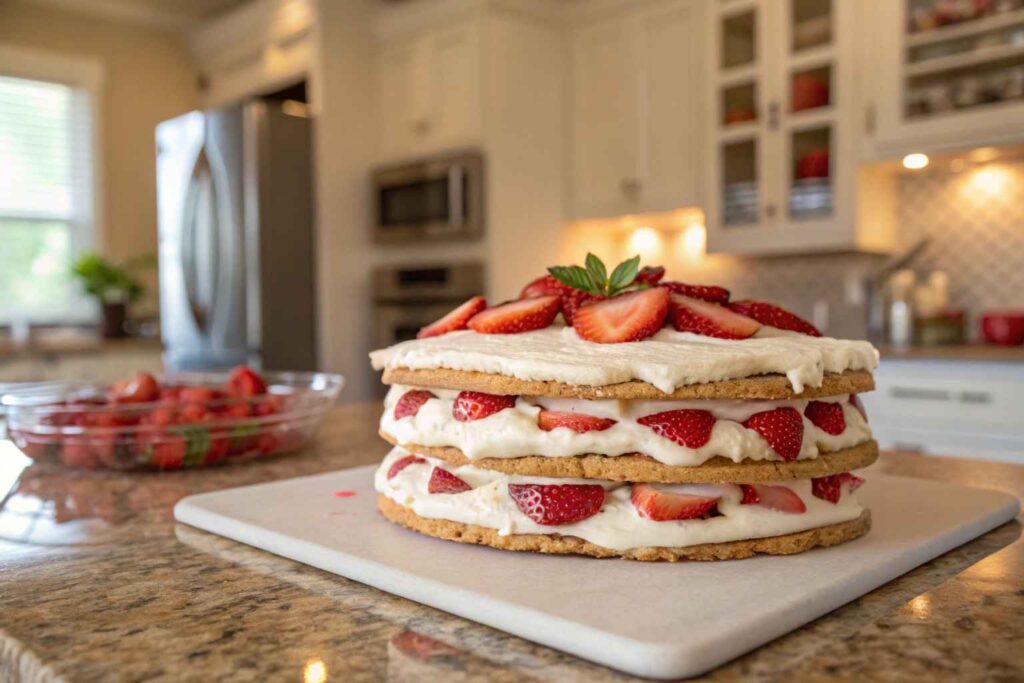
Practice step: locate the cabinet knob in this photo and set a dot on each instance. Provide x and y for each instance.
(773, 116)
(421, 127)
(630, 186)
(769, 211)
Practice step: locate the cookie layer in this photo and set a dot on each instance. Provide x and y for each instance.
(639, 467)
(767, 387)
(787, 544)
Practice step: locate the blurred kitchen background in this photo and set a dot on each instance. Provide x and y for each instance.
(290, 183)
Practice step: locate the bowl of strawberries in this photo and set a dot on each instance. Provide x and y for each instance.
(184, 420)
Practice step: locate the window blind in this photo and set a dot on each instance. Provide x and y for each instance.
(45, 197)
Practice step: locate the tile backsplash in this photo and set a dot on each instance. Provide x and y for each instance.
(974, 219)
(975, 222)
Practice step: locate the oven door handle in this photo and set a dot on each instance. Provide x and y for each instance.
(456, 210)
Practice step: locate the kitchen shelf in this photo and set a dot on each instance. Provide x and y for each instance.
(810, 118)
(739, 132)
(738, 75)
(965, 29)
(979, 57)
(812, 57)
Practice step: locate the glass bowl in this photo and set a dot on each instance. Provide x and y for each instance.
(73, 423)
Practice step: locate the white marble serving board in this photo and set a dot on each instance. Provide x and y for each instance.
(655, 620)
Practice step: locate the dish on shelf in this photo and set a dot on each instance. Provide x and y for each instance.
(187, 420)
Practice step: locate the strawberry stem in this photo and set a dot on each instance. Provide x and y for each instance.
(594, 279)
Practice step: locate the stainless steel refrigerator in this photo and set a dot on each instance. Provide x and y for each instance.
(237, 256)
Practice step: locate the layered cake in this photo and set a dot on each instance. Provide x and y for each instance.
(625, 415)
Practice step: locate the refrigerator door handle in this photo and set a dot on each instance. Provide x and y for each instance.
(456, 213)
(189, 265)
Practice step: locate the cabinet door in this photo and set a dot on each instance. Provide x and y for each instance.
(604, 119)
(455, 87)
(403, 89)
(945, 86)
(671, 68)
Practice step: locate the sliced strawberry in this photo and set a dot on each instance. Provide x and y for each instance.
(828, 417)
(455, 320)
(624, 318)
(774, 316)
(716, 295)
(244, 382)
(779, 498)
(411, 402)
(851, 480)
(142, 388)
(687, 427)
(400, 464)
(553, 504)
(650, 275)
(443, 481)
(573, 300)
(709, 319)
(476, 405)
(577, 422)
(198, 394)
(517, 316)
(662, 505)
(782, 428)
(545, 285)
(827, 488)
(856, 403)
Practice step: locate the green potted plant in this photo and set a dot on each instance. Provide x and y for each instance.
(114, 286)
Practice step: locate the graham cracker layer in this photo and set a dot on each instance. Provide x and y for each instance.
(766, 387)
(555, 543)
(638, 467)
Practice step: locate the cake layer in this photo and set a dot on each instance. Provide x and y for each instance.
(786, 544)
(642, 468)
(516, 431)
(762, 387)
(617, 527)
(665, 362)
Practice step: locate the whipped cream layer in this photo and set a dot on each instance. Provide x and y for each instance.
(514, 432)
(668, 360)
(618, 525)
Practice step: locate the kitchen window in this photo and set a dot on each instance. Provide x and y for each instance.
(48, 206)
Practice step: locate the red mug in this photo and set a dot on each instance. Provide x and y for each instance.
(1003, 327)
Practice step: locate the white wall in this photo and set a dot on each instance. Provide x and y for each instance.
(525, 104)
(342, 83)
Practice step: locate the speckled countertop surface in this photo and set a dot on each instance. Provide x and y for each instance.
(97, 583)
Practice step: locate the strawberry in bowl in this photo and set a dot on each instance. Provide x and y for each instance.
(181, 421)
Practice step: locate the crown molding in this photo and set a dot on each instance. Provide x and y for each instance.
(124, 11)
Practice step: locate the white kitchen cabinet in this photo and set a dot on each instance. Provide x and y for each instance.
(637, 110)
(429, 91)
(962, 408)
(785, 133)
(946, 87)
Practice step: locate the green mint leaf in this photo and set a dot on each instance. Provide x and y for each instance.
(598, 273)
(624, 274)
(573, 276)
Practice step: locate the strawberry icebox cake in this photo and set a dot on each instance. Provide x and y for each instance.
(624, 414)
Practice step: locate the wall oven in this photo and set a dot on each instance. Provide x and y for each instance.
(440, 198)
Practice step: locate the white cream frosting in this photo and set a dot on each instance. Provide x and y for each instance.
(668, 360)
(618, 525)
(514, 432)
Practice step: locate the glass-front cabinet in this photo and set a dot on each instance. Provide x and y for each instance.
(950, 73)
(782, 158)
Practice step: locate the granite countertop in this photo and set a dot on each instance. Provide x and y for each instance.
(44, 345)
(97, 582)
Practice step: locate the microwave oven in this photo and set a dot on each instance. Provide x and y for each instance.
(439, 198)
